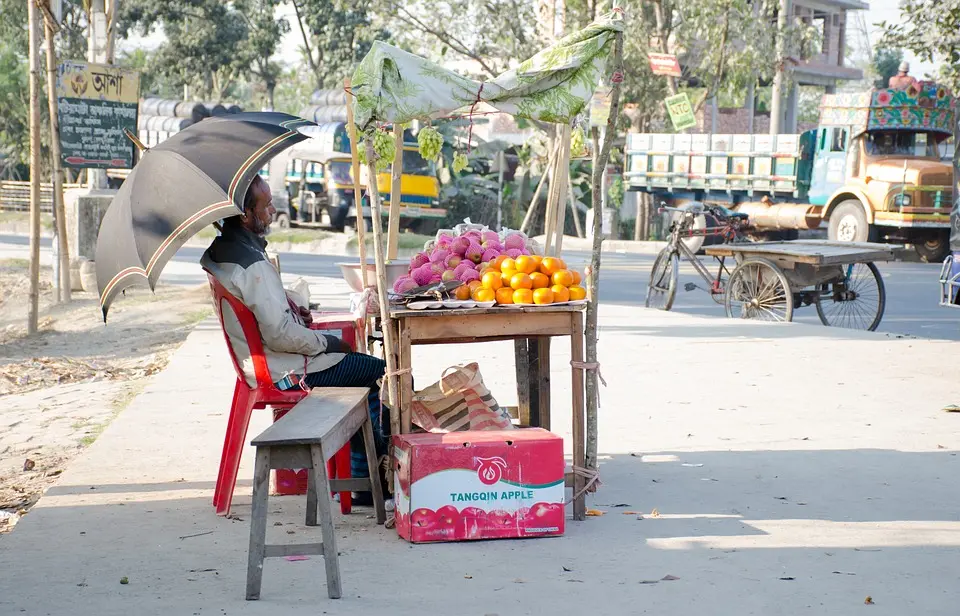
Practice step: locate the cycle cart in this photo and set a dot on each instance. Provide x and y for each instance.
(771, 279)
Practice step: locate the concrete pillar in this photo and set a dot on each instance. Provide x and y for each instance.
(781, 79)
(85, 210)
(793, 96)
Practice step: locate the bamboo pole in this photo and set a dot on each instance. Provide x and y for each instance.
(572, 200)
(33, 60)
(600, 164)
(396, 171)
(61, 216)
(389, 344)
(357, 201)
(563, 179)
(550, 215)
(528, 218)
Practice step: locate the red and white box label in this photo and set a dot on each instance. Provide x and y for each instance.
(479, 485)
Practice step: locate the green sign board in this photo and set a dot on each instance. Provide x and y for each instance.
(681, 112)
(96, 103)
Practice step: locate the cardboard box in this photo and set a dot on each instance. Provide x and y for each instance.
(479, 485)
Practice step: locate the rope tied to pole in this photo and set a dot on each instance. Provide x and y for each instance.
(592, 476)
(591, 367)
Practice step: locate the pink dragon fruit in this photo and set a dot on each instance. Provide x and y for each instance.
(435, 279)
(468, 275)
(460, 245)
(404, 284)
(474, 252)
(473, 235)
(437, 267)
(439, 255)
(453, 261)
(525, 251)
(513, 253)
(489, 255)
(421, 258)
(422, 275)
(515, 241)
(494, 244)
(489, 236)
(463, 267)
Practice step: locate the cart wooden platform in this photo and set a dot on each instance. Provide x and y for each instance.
(839, 278)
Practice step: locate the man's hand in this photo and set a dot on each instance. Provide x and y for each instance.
(305, 314)
(335, 345)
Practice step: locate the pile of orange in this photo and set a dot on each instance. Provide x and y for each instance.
(527, 280)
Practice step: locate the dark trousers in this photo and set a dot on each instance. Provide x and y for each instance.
(359, 370)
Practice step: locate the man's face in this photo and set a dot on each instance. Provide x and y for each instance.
(257, 219)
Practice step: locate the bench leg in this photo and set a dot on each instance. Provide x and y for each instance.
(258, 523)
(376, 490)
(330, 555)
(311, 498)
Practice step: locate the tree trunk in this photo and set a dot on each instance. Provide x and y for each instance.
(33, 61)
(63, 281)
(663, 38)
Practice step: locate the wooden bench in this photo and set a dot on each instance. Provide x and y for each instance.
(306, 437)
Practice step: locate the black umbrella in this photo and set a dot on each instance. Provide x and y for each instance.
(189, 181)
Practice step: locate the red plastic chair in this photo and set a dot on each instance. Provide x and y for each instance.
(246, 399)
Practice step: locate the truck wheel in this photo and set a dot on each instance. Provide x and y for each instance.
(282, 220)
(933, 248)
(848, 223)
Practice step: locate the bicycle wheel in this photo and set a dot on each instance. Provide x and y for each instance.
(856, 302)
(757, 289)
(662, 288)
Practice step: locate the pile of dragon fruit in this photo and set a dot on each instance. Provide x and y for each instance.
(460, 257)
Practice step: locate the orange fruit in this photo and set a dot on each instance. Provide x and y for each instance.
(538, 259)
(540, 281)
(542, 296)
(576, 276)
(577, 293)
(462, 292)
(485, 295)
(563, 277)
(506, 276)
(523, 296)
(504, 295)
(550, 265)
(520, 281)
(508, 265)
(492, 280)
(526, 264)
(560, 293)
(473, 285)
(496, 263)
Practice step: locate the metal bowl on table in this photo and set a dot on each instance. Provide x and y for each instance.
(351, 273)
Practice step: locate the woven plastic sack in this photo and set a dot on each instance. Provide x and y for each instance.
(458, 401)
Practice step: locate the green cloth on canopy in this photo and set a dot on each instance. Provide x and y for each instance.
(392, 85)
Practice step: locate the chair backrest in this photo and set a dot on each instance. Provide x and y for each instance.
(251, 332)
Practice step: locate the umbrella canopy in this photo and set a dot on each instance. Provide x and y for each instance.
(189, 181)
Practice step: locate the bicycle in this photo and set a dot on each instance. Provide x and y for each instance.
(662, 288)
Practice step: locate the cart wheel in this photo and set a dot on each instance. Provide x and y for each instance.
(757, 289)
(856, 302)
(662, 288)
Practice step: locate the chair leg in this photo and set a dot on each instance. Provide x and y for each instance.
(233, 444)
(258, 523)
(376, 490)
(331, 558)
(343, 472)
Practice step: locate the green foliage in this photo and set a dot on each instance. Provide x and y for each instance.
(336, 34)
(885, 65)
(931, 30)
(14, 111)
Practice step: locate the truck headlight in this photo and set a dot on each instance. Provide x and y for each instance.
(902, 201)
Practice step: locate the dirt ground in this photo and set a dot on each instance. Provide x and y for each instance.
(62, 386)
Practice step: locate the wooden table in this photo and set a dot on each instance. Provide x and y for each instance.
(530, 329)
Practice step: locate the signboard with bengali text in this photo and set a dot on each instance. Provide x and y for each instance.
(95, 103)
(664, 64)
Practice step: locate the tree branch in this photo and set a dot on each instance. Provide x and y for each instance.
(446, 39)
(718, 74)
(306, 46)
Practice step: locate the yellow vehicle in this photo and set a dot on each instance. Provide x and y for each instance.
(312, 183)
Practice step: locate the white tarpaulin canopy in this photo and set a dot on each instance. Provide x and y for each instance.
(391, 85)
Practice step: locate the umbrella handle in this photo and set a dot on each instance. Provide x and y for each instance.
(136, 141)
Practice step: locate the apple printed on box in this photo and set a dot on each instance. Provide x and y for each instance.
(479, 485)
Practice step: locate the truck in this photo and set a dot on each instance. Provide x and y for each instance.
(872, 170)
(312, 183)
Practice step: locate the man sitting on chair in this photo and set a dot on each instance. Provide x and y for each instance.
(295, 353)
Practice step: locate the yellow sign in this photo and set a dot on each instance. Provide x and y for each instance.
(98, 82)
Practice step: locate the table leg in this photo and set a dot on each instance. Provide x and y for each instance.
(540, 382)
(406, 379)
(522, 360)
(258, 523)
(579, 437)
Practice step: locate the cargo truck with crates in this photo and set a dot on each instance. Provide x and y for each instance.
(871, 171)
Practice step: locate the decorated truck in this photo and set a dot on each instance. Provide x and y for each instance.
(871, 170)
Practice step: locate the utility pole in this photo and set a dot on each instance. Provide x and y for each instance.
(33, 62)
(97, 53)
(781, 79)
(63, 282)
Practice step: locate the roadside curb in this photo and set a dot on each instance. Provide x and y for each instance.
(611, 246)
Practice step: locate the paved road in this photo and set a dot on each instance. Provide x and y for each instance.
(911, 287)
